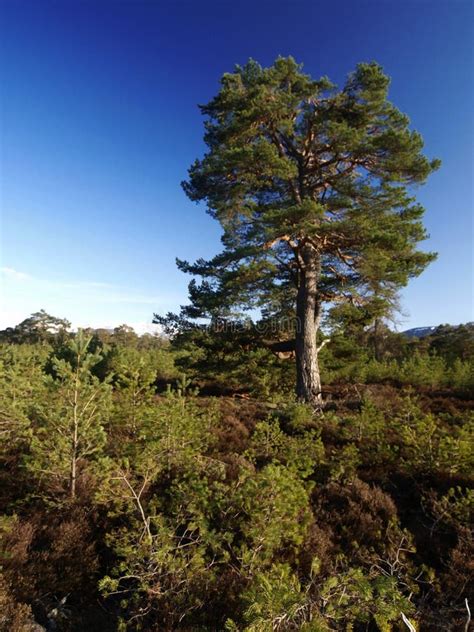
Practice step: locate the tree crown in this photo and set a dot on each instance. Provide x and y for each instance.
(294, 163)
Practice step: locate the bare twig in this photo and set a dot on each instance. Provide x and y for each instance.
(409, 625)
(323, 344)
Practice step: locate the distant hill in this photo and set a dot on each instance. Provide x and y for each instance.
(419, 332)
(422, 332)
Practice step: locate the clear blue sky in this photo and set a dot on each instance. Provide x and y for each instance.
(100, 123)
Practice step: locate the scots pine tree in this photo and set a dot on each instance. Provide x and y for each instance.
(311, 187)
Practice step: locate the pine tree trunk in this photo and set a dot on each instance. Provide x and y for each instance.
(75, 436)
(377, 353)
(308, 381)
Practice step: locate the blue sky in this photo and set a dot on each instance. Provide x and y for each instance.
(99, 123)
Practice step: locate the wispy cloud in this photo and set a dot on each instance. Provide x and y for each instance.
(11, 273)
(137, 299)
(80, 301)
(80, 284)
(16, 275)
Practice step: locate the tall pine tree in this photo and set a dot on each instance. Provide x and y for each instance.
(311, 187)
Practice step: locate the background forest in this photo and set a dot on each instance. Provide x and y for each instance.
(151, 483)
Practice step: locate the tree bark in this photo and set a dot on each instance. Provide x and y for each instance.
(308, 381)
